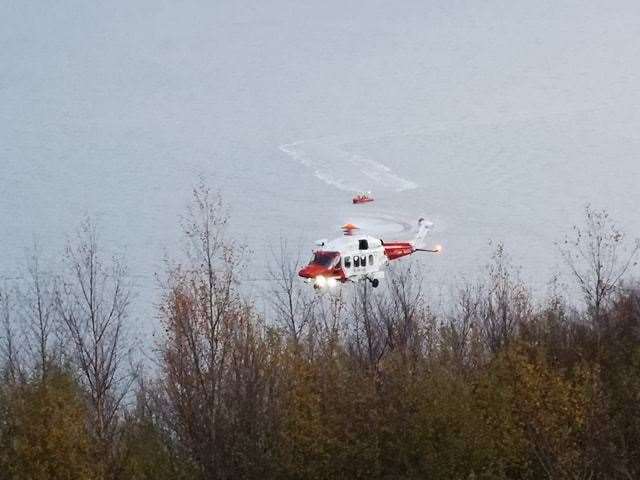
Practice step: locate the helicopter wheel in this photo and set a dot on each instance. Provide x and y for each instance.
(375, 282)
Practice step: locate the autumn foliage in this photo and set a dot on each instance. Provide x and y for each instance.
(363, 383)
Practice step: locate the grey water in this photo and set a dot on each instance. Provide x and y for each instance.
(497, 121)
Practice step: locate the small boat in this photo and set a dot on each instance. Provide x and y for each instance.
(363, 197)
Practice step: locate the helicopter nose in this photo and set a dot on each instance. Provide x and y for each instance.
(312, 271)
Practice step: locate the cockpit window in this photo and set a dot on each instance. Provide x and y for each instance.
(325, 259)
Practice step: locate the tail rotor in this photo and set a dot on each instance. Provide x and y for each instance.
(418, 243)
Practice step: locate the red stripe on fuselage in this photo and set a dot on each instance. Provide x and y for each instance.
(397, 249)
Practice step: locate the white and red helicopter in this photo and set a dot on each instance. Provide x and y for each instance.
(355, 258)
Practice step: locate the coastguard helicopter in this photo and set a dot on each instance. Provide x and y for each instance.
(355, 258)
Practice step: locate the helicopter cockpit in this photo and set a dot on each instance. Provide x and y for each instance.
(324, 259)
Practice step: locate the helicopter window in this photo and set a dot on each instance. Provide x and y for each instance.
(347, 262)
(363, 261)
(363, 244)
(325, 259)
(370, 259)
(356, 261)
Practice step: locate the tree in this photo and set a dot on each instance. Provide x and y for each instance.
(368, 341)
(43, 430)
(92, 299)
(598, 258)
(216, 359)
(9, 350)
(459, 330)
(148, 450)
(405, 314)
(38, 317)
(506, 305)
(293, 304)
(537, 416)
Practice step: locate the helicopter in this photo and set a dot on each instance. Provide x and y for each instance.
(355, 258)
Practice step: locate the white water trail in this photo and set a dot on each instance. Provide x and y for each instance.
(345, 170)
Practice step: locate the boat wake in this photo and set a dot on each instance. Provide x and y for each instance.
(390, 225)
(344, 170)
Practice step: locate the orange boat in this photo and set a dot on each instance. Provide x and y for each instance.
(363, 197)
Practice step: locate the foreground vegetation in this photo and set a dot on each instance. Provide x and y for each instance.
(362, 384)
